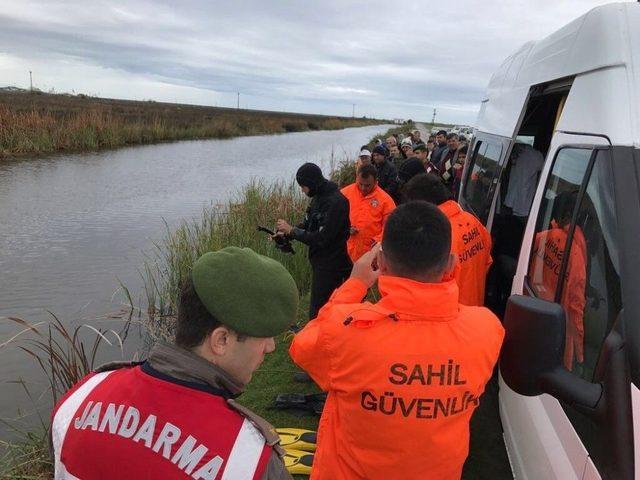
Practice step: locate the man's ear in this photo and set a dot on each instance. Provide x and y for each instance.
(219, 340)
(383, 266)
(450, 269)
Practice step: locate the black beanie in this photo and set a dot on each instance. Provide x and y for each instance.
(410, 168)
(310, 175)
(381, 150)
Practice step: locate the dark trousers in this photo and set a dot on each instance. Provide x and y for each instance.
(323, 283)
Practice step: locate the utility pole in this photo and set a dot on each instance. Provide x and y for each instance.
(433, 119)
(30, 82)
(238, 101)
(353, 112)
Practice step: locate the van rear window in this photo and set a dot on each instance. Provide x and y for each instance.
(485, 168)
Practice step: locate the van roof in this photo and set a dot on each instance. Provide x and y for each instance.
(606, 38)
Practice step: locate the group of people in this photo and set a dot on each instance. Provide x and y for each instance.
(403, 375)
(400, 157)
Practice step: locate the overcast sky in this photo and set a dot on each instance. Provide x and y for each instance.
(390, 59)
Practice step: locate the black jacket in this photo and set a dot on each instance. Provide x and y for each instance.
(437, 154)
(325, 229)
(388, 177)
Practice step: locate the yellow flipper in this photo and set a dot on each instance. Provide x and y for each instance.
(298, 462)
(297, 439)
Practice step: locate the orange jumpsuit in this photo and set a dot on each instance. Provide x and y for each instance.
(368, 214)
(548, 250)
(403, 377)
(471, 244)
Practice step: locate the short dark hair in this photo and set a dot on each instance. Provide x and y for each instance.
(452, 135)
(366, 171)
(417, 240)
(463, 149)
(194, 320)
(427, 187)
(441, 132)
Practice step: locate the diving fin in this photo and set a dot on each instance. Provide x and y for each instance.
(297, 439)
(298, 462)
(302, 402)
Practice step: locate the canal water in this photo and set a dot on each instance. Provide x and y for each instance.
(73, 226)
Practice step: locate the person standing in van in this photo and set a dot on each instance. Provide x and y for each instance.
(405, 374)
(470, 240)
(526, 165)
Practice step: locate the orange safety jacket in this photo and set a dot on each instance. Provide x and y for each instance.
(471, 244)
(548, 250)
(403, 377)
(368, 214)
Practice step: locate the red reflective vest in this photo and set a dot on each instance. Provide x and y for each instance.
(130, 424)
(367, 213)
(471, 244)
(403, 377)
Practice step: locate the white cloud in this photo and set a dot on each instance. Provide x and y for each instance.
(312, 56)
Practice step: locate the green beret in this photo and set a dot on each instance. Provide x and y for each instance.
(253, 294)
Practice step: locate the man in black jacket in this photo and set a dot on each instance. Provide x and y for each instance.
(325, 229)
(436, 155)
(387, 172)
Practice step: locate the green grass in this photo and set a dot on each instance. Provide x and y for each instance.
(275, 376)
(234, 223)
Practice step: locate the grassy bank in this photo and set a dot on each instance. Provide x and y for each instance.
(39, 123)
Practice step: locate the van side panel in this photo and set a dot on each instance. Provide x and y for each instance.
(607, 113)
(541, 453)
(635, 406)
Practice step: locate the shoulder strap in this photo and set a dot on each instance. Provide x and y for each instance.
(265, 428)
(117, 365)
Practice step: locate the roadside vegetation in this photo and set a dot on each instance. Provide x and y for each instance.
(65, 358)
(40, 123)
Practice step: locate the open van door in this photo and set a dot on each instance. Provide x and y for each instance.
(565, 352)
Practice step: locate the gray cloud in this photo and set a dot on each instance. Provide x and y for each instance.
(313, 56)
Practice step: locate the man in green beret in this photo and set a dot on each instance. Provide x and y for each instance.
(174, 415)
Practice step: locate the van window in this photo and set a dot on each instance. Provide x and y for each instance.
(585, 222)
(595, 237)
(554, 218)
(484, 172)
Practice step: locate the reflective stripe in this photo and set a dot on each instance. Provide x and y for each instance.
(245, 454)
(64, 417)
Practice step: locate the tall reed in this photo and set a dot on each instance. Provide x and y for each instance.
(234, 223)
(44, 131)
(65, 356)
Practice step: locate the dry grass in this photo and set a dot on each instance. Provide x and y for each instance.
(45, 123)
(65, 358)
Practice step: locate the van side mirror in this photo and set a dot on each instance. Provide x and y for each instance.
(531, 358)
